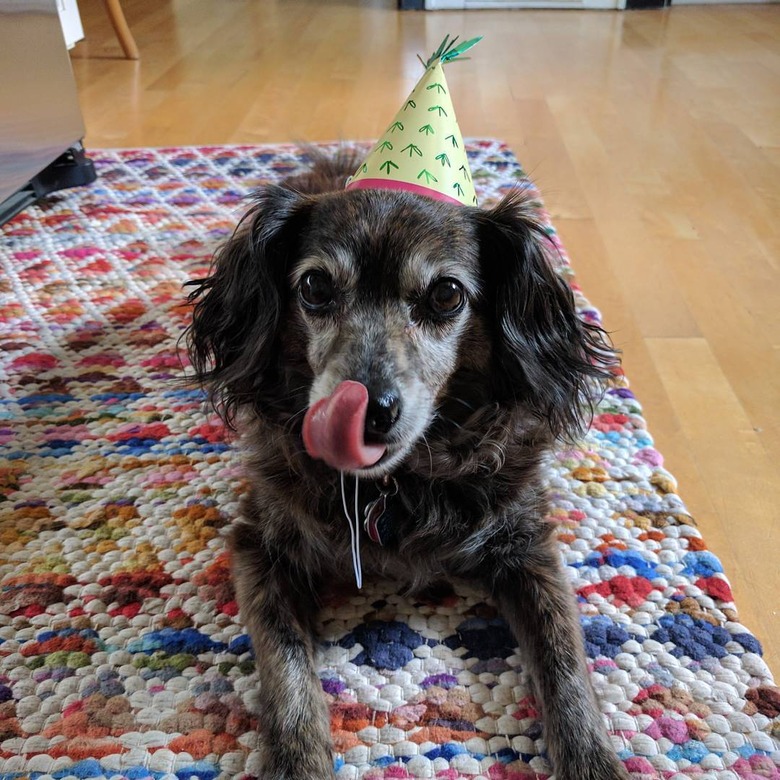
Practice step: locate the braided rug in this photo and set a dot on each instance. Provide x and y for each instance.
(121, 654)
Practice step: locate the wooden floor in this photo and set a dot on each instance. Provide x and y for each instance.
(654, 136)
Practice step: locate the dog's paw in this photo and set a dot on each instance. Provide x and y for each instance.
(596, 768)
(322, 772)
(297, 759)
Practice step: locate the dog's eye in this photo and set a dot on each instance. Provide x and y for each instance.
(446, 296)
(316, 290)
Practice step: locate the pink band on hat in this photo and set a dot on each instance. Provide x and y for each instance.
(392, 184)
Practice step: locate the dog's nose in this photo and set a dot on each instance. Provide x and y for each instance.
(383, 412)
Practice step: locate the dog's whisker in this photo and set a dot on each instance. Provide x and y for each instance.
(450, 421)
(460, 401)
(294, 417)
(430, 453)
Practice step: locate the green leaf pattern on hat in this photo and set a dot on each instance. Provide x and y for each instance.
(423, 147)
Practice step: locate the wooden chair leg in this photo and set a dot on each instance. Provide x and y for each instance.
(119, 23)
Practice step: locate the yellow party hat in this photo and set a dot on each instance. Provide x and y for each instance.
(422, 151)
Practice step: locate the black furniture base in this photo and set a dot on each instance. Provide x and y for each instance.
(71, 169)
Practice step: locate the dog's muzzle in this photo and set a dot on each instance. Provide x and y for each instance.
(345, 429)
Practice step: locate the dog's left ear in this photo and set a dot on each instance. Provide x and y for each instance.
(545, 355)
(237, 309)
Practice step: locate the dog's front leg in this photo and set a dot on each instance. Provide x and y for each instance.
(278, 609)
(534, 595)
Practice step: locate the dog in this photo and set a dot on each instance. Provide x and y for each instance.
(427, 356)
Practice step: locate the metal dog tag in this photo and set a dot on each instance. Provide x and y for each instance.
(376, 511)
(372, 514)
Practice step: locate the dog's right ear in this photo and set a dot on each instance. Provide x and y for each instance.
(238, 307)
(547, 357)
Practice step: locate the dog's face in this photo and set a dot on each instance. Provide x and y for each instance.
(383, 292)
(398, 293)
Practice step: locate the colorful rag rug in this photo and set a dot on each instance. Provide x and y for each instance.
(121, 655)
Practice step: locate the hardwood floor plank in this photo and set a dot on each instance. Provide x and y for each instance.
(734, 467)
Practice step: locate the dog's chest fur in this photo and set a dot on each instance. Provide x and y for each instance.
(456, 499)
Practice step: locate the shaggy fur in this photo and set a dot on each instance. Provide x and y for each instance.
(484, 395)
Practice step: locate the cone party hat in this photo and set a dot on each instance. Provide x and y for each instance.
(422, 150)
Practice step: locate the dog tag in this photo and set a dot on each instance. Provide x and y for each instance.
(372, 514)
(377, 518)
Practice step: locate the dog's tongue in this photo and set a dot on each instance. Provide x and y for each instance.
(333, 429)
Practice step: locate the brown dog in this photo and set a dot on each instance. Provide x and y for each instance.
(430, 352)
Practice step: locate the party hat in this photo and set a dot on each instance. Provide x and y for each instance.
(422, 150)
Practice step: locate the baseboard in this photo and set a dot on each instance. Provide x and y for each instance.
(467, 5)
(473, 5)
(723, 2)
(639, 5)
